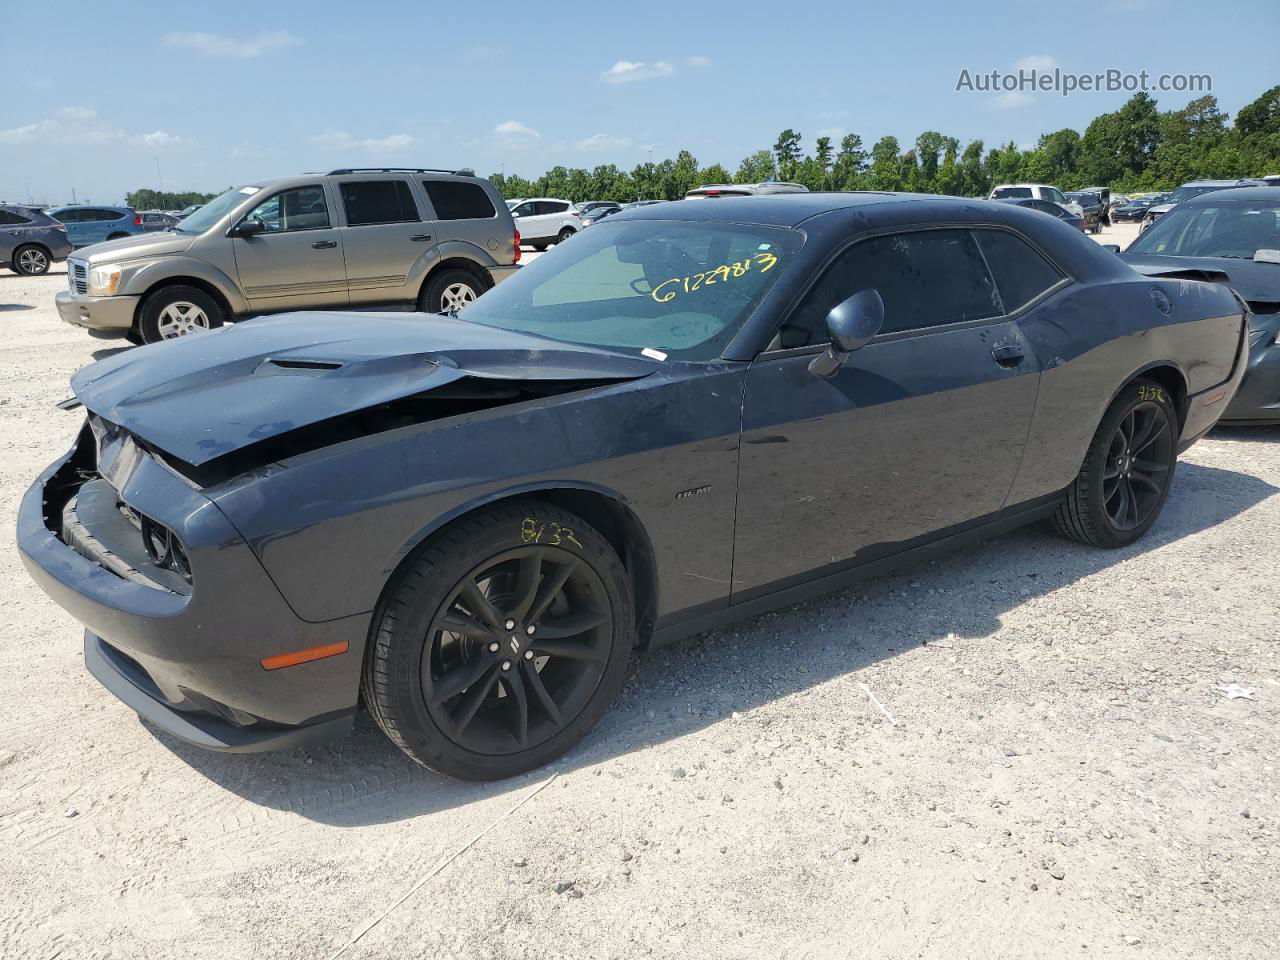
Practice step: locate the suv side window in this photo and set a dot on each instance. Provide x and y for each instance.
(551, 206)
(927, 278)
(524, 209)
(1020, 272)
(10, 219)
(459, 201)
(102, 216)
(302, 208)
(1053, 194)
(378, 201)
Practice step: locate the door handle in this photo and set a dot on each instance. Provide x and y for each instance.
(325, 244)
(420, 237)
(1008, 354)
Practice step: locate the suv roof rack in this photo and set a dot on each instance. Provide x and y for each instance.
(461, 172)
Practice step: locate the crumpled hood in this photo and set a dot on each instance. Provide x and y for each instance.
(201, 397)
(1256, 282)
(132, 248)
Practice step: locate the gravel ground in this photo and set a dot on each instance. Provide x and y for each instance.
(1031, 749)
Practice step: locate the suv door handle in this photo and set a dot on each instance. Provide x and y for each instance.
(419, 238)
(325, 244)
(1007, 355)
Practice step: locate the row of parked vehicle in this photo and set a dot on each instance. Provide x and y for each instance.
(684, 415)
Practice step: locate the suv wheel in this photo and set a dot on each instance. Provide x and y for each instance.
(565, 234)
(30, 261)
(448, 291)
(180, 311)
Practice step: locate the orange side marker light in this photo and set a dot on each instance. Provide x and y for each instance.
(304, 656)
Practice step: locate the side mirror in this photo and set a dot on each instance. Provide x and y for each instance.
(249, 228)
(1266, 256)
(1113, 247)
(851, 325)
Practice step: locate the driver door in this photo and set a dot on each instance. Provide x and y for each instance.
(297, 261)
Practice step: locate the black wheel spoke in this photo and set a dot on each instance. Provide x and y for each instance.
(576, 623)
(472, 700)
(1143, 480)
(570, 649)
(527, 581)
(552, 584)
(1111, 469)
(1150, 466)
(1147, 435)
(466, 625)
(533, 681)
(458, 680)
(1131, 502)
(480, 605)
(519, 705)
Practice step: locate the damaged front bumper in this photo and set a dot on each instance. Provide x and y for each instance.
(186, 656)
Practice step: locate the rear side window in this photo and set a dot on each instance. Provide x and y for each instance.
(459, 201)
(378, 201)
(101, 216)
(1020, 272)
(551, 206)
(927, 278)
(10, 219)
(1011, 193)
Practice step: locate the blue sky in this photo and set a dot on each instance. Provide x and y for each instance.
(226, 92)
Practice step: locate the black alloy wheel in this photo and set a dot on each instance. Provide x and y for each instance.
(1136, 471)
(517, 650)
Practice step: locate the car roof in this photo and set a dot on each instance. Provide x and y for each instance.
(1235, 195)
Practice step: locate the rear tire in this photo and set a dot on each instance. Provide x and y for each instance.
(434, 677)
(1127, 471)
(30, 260)
(449, 290)
(540, 246)
(565, 234)
(178, 311)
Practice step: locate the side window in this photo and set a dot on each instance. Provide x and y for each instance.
(927, 278)
(102, 216)
(459, 201)
(1053, 194)
(523, 210)
(303, 208)
(1044, 206)
(551, 207)
(378, 201)
(11, 219)
(1020, 272)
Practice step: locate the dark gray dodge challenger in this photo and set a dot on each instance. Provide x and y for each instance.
(689, 413)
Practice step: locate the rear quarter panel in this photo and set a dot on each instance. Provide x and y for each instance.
(1092, 339)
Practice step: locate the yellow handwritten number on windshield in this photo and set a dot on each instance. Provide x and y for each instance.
(670, 289)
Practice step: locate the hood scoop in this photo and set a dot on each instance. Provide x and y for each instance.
(283, 366)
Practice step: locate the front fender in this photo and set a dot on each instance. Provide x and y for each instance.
(168, 269)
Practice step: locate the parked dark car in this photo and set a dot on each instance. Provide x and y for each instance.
(691, 413)
(88, 225)
(31, 241)
(596, 214)
(1095, 210)
(1136, 209)
(590, 205)
(1189, 190)
(154, 221)
(188, 211)
(1046, 206)
(1232, 237)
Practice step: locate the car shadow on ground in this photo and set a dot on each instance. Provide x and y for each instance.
(16, 306)
(105, 352)
(364, 779)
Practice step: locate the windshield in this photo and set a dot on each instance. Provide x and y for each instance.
(1007, 193)
(1186, 193)
(212, 212)
(1232, 230)
(681, 289)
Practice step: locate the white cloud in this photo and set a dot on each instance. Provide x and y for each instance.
(602, 141)
(1041, 62)
(1010, 101)
(628, 71)
(515, 130)
(697, 61)
(159, 138)
(218, 45)
(341, 140)
(67, 125)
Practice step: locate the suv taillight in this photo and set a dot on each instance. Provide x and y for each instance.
(516, 258)
(137, 219)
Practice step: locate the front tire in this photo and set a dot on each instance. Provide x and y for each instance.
(1127, 471)
(502, 643)
(448, 291)
(178, 311)
(30, 260)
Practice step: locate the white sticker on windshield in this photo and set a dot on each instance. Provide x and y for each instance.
(764, 246)
(249, 191)
(653, 354)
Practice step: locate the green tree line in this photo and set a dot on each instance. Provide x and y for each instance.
(146, 199)
(1138, 147)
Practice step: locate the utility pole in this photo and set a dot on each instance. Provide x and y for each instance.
(159, 175)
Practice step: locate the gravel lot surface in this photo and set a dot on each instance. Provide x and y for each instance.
(1081, 762)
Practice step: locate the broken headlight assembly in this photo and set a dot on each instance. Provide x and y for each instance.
(163, 547)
